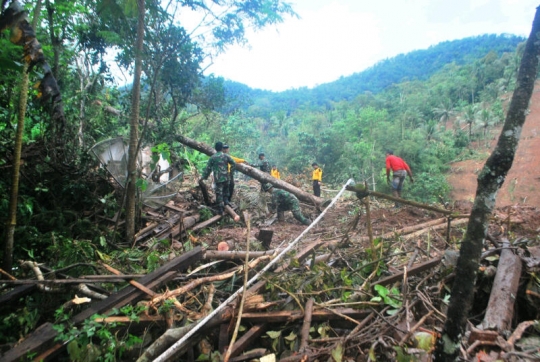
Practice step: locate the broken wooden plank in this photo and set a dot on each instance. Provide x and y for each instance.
(113, 279)
(304, 253)
(132, 282)
(55, 349)
(16, 293)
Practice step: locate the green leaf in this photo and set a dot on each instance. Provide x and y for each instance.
(273, 334)
(291, 337)
(425, 340)
(382, 290)
(337, 353)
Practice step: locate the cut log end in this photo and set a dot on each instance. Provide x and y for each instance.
(223, 246)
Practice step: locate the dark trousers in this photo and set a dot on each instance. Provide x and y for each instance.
(316, 188)
(231, 188)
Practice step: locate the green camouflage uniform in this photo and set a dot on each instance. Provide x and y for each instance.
(264, 166)
(284, 201)
(218, 164)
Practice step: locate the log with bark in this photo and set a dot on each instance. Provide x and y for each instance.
(256, 174)
(500, 310)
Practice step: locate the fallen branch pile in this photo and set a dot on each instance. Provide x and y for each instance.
(344, 291)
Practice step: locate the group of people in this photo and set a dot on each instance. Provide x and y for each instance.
(222, 165)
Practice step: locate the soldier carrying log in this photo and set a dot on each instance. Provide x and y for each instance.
(219, 164)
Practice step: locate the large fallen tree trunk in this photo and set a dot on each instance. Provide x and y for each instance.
(500, 308)
(255, 173)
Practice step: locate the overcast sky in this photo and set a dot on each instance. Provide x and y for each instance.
(334, 38)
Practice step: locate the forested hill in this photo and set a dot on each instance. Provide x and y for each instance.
(416, 65)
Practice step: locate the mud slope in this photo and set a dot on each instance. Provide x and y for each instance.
(522, 185)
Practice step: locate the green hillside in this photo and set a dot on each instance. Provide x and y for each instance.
(416, 65)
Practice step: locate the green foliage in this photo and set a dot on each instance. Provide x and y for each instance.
(388, 296)
(94, 340)
(18, 324)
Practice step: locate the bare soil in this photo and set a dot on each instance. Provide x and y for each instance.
(522, 184)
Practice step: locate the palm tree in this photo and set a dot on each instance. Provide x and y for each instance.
(431, 129)
(485, 120)
(444, 111)
(469, 117)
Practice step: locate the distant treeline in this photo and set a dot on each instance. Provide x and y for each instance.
(416, 65)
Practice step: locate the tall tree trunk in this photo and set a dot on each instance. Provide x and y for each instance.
(11, 223)
(490, 181)
(131, 189)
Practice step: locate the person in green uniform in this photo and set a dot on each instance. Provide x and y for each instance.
(285, 201)
(219, 164)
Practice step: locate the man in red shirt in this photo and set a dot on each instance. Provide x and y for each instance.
(400, 169)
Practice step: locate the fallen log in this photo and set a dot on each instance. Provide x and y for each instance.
(500, 309)
(206, 223)
(362, 191)
(255, 173)
(236, 255)
(407, 230)
(435, 227)
(231, 212)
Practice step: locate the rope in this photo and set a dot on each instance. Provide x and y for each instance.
(172, 349)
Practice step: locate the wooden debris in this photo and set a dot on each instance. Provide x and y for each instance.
(500, 308)
(231, 212)
(413, 271)
(206, 223)
(236, 254)
(304, 333)
(247, 338)
(265, 237)
(43, 337)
